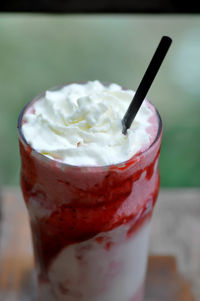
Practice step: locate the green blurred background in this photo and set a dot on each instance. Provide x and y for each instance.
(41, 51)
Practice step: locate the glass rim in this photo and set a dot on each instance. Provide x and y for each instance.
(86, 167)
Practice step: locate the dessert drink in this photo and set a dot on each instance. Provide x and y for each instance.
(89, 190)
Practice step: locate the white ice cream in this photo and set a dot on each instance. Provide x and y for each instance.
(89, 271)
(80, 124)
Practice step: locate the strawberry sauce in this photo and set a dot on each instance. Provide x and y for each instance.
(70, 205)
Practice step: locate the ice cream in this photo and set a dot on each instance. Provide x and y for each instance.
(80, 124)
(117, 275)
(89, 190)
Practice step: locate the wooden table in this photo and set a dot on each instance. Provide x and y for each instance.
(173, 272)
(176, 231)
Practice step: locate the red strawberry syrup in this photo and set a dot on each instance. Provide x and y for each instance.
(69, 205)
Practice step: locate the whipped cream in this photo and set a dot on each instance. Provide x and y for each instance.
(80, 124)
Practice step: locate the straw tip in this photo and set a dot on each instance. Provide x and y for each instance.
(124, 128)
(167, 39)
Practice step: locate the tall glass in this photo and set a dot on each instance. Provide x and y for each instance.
(90, 225)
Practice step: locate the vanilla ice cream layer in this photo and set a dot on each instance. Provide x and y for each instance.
(110, 270)
(80, 124)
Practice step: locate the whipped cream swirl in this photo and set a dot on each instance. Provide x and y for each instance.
(80, 124)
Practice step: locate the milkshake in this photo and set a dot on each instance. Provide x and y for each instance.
(89, 191)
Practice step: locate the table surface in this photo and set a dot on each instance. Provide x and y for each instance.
(175, 231)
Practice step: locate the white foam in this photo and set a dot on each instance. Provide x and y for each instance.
(80, 124)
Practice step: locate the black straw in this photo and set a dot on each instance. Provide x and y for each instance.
(146, 82)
